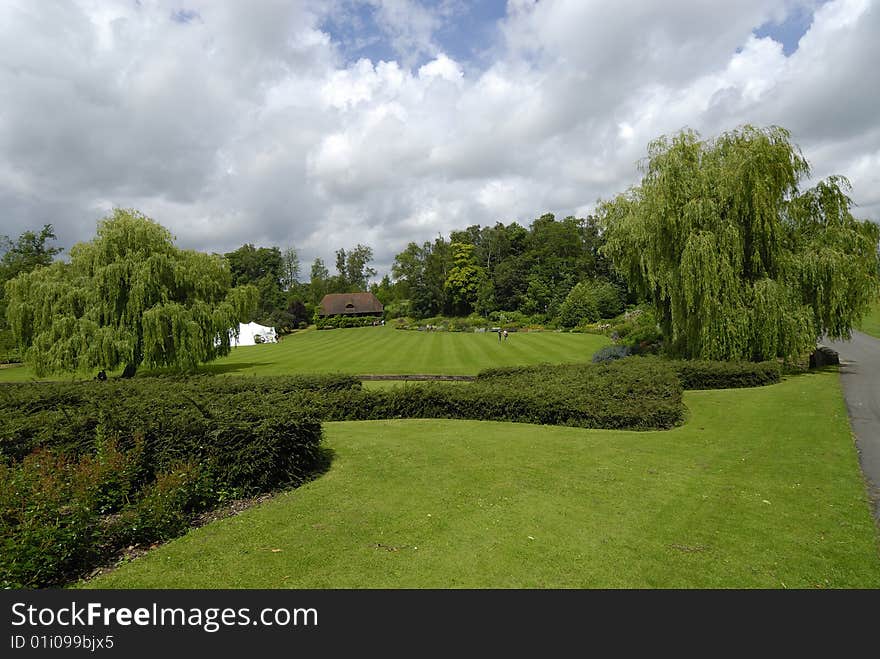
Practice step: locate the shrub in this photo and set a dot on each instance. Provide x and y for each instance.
(589, 301)
(9, 353)
(610, 353)
(632, 395)
(344, 322)
(47, 521)
(172, 415)
(89, 467)
(164, 509)
(726, 375)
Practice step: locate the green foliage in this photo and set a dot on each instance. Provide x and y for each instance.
(637, 329)
(697, 374)
(726, 375)
(625, 395)
(341, 322)
(47, 521)
(465, 278)
(249, 264)
(178, 419)
(23, 255)
(9, 353)
(127, 298)
(319, 281)
(737, 261)
(91, 467)
(164, 508)
(589, 301)
(610, 353)
(494, 268)
(354, 271)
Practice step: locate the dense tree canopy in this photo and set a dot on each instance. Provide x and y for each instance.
(503, 268)
(353, 269)
(464, 279)
(25, 254)
(128, 297)
(740, 263)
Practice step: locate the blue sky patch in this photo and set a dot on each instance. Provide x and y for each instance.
(184, 15)
(790, 30)
(465, 31)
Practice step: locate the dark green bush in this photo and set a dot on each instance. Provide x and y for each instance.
(337, 322)
(171, 414)
(90, 467)
(726, 375)
(9, 353)
(629, 395)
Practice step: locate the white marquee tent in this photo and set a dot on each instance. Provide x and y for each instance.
(250, 334)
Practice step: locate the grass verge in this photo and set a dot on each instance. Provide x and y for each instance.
(871, 322)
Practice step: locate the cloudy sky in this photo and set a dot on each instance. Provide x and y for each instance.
(326, 124)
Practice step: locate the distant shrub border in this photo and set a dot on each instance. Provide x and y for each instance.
(344, 322)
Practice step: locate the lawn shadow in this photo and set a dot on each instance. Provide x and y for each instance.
(321, 466)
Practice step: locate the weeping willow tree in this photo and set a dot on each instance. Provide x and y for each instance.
(738, 262)
(129, 297)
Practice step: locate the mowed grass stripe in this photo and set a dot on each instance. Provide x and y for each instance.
(761, 488)
(384, 350)
(474, 352)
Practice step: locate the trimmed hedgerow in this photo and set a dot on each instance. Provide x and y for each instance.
(88, 468)
(726, 375)
(173, 412)
(620, 395)
(342, 322)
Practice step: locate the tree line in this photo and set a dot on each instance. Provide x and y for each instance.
(735, 258)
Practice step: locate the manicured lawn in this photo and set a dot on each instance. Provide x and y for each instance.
(761, 488)
(15, 373)
(386, 351)
(871, 323)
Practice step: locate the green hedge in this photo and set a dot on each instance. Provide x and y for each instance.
(622, 395)
(88, 468)
(695, 374)
(341, 322)
(170, 413)
(726, 375)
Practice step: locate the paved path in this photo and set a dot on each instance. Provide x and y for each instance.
(860, 375)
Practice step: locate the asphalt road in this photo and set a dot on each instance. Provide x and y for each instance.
(860, 376)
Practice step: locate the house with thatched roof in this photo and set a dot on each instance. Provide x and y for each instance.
(350, 304)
